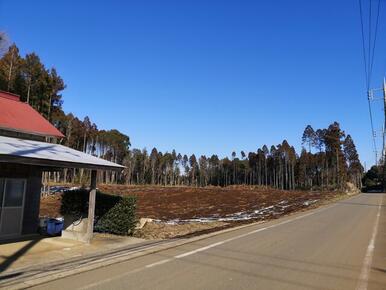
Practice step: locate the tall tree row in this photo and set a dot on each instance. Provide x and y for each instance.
(328, 159)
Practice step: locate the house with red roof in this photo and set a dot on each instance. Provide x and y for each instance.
(20, 119)
(24, 156)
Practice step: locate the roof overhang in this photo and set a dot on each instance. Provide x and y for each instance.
(21, 151)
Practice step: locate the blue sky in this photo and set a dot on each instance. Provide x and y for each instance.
(205, 77)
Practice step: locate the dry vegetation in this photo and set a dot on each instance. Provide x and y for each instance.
(182, 203)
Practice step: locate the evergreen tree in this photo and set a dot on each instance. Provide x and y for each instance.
(355, 169)
(309, 137)
(10, 70)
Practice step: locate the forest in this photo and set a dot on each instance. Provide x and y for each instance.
(328, 159)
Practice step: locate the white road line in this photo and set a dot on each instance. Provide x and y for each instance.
(365, 272)
(199, 250)
(158, 263)
(101, 282)
(240, 236)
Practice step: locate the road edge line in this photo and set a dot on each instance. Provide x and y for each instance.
(368, 259)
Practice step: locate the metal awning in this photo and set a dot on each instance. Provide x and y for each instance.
(15, 150)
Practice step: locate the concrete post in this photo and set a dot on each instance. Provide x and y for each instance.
(91, 207)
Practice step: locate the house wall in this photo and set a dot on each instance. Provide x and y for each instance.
(33, 175)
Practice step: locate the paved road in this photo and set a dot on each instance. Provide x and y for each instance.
(327, 248)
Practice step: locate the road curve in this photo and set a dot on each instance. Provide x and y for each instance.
(341, 246)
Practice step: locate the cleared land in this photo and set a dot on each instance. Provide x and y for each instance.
(322, 249)
(180, 211)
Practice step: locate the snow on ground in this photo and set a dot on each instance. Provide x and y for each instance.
(309, 202)
(261, 213)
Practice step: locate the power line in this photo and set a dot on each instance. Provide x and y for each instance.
(369, 52)
(363, 44)
(369, 61)
(375, 40)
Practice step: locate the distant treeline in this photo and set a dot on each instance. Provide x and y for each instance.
(328, 159)
(334, 162)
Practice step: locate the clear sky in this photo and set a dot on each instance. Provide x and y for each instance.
(206, 77)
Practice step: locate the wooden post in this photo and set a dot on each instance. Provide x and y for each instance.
(91, 207)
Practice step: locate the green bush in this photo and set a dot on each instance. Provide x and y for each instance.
(113, 214)
(120, 219)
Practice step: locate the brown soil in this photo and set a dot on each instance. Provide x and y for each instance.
(166, 203)
(170, 203)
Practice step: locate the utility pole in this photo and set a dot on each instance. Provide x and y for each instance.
(384, 124)
(383, 135)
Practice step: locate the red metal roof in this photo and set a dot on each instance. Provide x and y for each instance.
(21, 117)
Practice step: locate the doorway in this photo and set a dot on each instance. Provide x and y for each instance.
(12, 195)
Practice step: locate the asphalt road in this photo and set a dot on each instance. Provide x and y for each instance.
(341, 246)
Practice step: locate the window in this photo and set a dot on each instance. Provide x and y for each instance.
(11, 206)
(14, 192)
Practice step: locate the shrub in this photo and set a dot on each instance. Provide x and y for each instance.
(113, 214)
(120, 219)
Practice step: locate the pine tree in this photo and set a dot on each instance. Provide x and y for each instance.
(355, 169)
(10, 65)
(335, 157)
(309, 137)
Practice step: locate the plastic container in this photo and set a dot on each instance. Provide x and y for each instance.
(54, 227)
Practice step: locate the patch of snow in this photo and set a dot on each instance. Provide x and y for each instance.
(260, 213)
(238, 216)
(309, 202)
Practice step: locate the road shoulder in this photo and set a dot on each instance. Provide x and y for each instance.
(378, 267)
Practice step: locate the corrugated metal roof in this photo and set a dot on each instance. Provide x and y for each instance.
(21, 117)
(51, 155)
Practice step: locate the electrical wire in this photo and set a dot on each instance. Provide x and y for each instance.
(363, 44)
(375, 40)
(369, 51)
(369, 62)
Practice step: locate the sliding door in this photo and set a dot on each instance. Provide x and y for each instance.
(12, 193)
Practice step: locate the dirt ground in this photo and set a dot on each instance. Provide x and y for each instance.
(168, 203)
(181, 211)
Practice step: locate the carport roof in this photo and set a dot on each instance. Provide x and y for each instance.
(15, 150)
